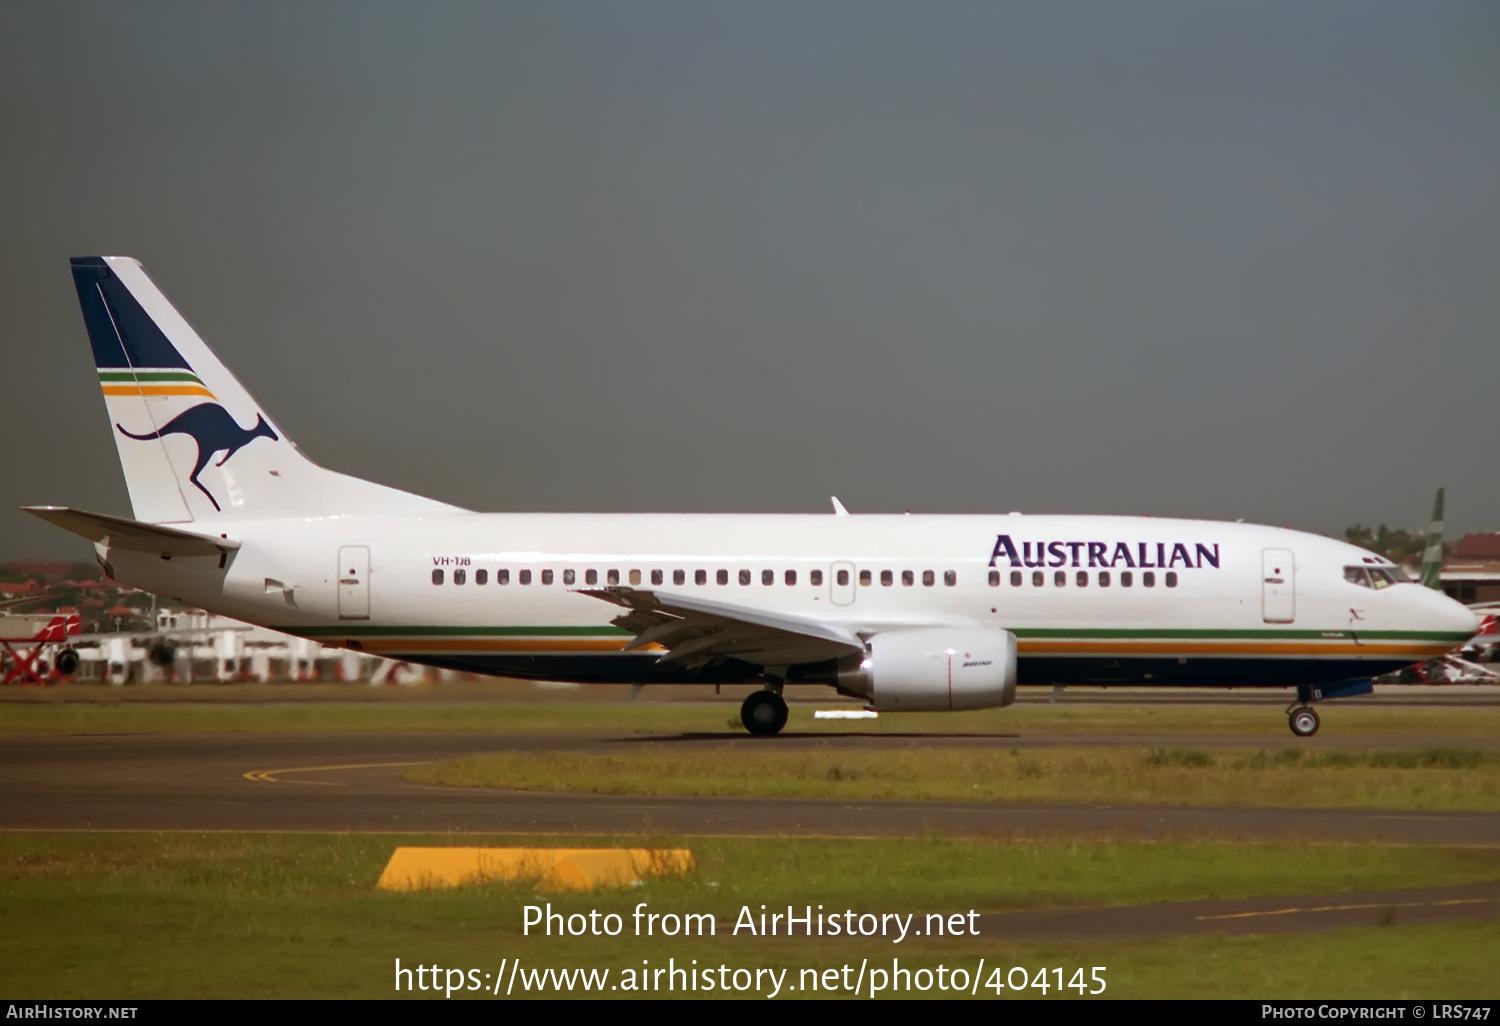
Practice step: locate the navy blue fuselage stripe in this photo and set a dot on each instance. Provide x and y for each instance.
(120, 332)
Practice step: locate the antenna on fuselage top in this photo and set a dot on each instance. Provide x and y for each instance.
(838, 507)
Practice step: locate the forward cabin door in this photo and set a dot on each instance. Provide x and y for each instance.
(1279, 590)
(354, 582)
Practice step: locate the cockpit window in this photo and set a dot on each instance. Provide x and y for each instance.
(1376, 577)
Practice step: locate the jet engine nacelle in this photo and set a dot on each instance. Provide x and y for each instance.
(934, 669)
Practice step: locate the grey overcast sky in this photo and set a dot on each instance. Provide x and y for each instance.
(1200, 259)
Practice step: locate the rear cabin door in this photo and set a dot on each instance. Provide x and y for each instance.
(841, 584)
(354, 582)
(1279, 587)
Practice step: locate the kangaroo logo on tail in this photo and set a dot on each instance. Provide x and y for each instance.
(211, 426)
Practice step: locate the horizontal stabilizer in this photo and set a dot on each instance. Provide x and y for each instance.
(119, 533)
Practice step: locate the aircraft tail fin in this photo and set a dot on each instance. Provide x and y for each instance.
(1432, 555)
(193, 443)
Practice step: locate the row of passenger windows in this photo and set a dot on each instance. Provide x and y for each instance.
(814, 577)
(679, 577)
(1060, 579)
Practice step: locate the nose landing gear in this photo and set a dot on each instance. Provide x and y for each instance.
(1304, 720)
(764, 713)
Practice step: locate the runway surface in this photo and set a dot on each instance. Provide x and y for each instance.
(352, 782)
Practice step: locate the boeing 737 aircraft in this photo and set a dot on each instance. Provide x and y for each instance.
(905, 612)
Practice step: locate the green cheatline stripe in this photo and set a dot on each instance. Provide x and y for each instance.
(352, 631)
(455, 632)
(1225, 635)
(128, 376)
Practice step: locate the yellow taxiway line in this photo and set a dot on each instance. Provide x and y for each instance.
(1351, 908)
(268, 776)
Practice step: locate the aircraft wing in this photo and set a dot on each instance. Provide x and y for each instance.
(134, 535)
(697, 631)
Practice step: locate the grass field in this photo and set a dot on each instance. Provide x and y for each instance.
(295, 915)
(1433, 778)
(510, 708)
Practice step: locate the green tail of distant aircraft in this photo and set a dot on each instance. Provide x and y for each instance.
(1432, 555)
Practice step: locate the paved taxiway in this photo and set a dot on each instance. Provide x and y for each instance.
(352, 782)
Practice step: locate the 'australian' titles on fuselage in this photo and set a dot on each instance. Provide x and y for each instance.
(1141, 555)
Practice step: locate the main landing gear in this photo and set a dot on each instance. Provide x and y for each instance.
(764, 713)
(1304, 720)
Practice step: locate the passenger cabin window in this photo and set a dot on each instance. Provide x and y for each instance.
(815, 578)
(950, 577)
(928, 579)
(612, 576)
(700, 576)
(459, 576)
(1060, 578)
(635, 577)
(1104, 578)
(502, 576)
(437, 577)
(546, 576)
(1038, 578)
(887, 578)
(1148, 579)
(569, 577)
(744, 576)
(843, 578)
(1083, 578)
(481, 577)
(656, 577)
(679, 576)
(722, 576)
(1171, 578)
(791, 577)
(1015, 578)
(768, 577)
(524, 577)
(1126, 578)
(908, 578)
(994, 578)
(864, 578)
(591, 577)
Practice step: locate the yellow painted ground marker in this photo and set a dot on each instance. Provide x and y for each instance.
(554, 869)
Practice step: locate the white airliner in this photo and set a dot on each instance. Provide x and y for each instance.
(906, 612)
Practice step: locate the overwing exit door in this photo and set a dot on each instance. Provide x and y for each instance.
(1279, 585)
(354, 582)
(841, 584)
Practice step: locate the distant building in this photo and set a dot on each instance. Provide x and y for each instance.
(1472, 573)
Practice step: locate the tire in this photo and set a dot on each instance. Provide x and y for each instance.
(1304, 722)
(764, 714)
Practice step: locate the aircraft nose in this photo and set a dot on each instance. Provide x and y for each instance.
(1458, 617)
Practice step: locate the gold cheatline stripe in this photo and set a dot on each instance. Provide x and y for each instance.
(157, 390)
(1233, 648)
(502, 645)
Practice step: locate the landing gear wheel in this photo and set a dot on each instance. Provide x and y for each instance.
(1304, 721)
(764, 713)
